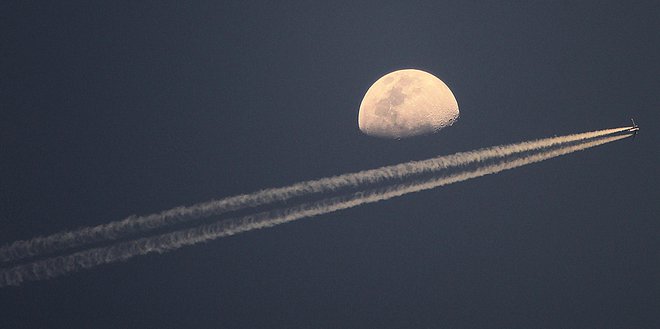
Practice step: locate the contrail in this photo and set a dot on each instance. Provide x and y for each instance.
(120, 229)
(57, 266)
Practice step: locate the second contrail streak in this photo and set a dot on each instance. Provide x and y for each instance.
(56, 266)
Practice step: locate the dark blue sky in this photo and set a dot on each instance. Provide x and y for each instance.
(115, 108)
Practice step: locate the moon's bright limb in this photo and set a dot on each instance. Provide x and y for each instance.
(407, 103)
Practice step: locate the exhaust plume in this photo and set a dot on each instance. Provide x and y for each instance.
(132, 225)
(57, 266)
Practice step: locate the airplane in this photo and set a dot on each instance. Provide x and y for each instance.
(634, 129)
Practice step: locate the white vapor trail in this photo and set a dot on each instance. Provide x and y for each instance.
(121, 229)
(56, 266)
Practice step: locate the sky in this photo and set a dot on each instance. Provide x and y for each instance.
(109, 109)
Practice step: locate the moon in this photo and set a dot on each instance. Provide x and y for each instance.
(407, 103)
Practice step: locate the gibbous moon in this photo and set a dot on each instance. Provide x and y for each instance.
(407, 103)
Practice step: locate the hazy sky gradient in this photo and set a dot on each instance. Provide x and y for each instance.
(112, 109)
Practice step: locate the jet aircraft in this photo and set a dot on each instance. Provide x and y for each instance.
(634, 129)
